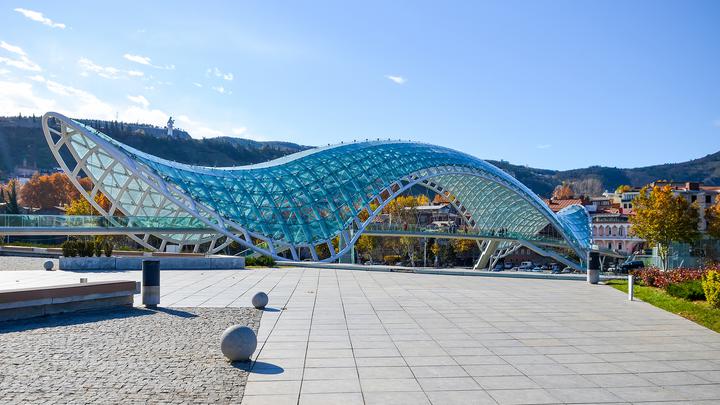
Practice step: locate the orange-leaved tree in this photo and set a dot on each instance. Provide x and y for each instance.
(50, 190)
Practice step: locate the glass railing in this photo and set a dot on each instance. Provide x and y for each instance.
(460, 230)
(92, 221)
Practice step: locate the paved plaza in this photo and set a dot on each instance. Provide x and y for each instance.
(353, 337)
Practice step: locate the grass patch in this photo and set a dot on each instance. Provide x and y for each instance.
(697, 311)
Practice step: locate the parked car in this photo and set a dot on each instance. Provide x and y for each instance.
(498, 267)
(537, 269)
(508, 266)
(526, 265)
(631, 265)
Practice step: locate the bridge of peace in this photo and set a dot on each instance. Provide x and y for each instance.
(325, 333)
(313, 204)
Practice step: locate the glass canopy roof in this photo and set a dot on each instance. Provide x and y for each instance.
(310, 198)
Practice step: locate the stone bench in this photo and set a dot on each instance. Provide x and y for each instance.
(31, 302)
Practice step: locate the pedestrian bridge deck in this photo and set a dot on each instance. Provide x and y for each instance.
(99, 225)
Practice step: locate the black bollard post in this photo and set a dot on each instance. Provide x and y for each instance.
(151, 283)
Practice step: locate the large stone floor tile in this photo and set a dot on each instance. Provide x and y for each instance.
(395, 398)
(523, 397)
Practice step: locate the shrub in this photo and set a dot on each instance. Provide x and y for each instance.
(392, 259)
(108, 249)
(690, 290)
(654, 277)
(647, 276)
(98, 248)
(711, 287)
(69, 248)
(86, 248)
(266, 261)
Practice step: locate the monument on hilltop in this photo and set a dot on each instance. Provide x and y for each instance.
(170, 124)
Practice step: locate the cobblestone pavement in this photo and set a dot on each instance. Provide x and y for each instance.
(12, 263)
(127, 355)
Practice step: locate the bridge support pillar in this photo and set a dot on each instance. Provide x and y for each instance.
(486, 254)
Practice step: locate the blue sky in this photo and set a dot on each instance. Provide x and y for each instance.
(551, 84)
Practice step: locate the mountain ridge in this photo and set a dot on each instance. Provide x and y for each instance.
(22, 144)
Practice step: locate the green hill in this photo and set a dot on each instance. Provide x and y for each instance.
(22, 144)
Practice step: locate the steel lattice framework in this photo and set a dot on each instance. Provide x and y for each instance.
(302, 201)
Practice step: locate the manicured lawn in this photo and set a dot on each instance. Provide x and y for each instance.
(696, 311)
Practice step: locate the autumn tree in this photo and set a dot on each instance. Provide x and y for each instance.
(712, 215)
(563, 191)
(662, 218)
(365, 245)
(82, 206)
(463, 246)
(624, 188)
(50, 190)
(402, 208)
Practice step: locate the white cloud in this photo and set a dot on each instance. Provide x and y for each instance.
(544, 146)
(396, 79)
(239, 131)
(219, 73)
(221, 90)
(21, 61)
(197, 129)
(139, 100)
(24, 97)
(107, 72)
(196, 84)
(38, 94)
(39, 17)
(18, 97)
(145, 60)
(12, 48)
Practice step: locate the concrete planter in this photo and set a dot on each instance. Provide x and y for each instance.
(166, 263)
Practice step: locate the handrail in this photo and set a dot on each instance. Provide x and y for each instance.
(473, 232)
(94, 221)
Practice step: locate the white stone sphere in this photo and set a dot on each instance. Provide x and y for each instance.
(48, 265)
(238, 343)
(260, 300)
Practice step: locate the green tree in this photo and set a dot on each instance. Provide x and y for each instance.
(12, 206)
(662, 218)
(712, 215)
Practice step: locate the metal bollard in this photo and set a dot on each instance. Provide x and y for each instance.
(631, 284)
(593, 267)
(151, 283)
